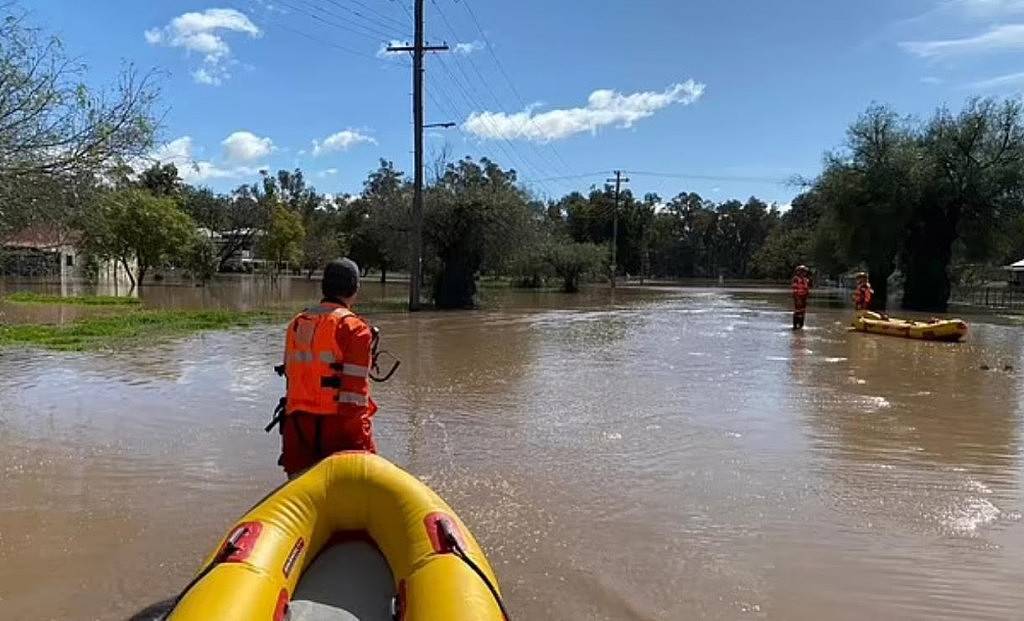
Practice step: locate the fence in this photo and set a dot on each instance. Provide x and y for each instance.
(1006, 298)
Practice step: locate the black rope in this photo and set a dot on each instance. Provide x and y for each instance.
(453, 543)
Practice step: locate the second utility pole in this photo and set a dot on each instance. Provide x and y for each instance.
(417, 49)
(619, 180)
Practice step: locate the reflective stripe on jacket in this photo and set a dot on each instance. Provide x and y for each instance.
(327, 362)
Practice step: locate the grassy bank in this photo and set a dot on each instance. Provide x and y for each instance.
(134, 326)
(25, 297)
(130, 324)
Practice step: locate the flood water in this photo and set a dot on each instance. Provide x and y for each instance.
(666, 455)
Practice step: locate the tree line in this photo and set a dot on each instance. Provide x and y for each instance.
(909, 200)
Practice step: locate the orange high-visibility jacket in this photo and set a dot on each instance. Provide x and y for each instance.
(801, 286)
(862, 296)
(327, 358)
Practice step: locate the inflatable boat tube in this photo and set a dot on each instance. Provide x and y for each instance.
(935, 330)
(357, 528)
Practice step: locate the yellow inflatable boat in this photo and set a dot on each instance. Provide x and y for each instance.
(354, 538)
(935, 330)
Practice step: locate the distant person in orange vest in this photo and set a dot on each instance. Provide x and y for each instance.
(862, 293)
(801, 285)
(327, 360)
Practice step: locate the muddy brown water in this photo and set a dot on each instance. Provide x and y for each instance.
(657, 456)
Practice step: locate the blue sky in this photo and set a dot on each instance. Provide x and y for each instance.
(725, 98)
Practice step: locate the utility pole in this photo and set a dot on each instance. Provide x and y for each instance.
(619, 180)
(418, 48)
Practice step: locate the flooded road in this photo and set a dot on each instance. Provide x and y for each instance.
(669, 456)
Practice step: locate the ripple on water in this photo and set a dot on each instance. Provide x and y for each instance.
(970, 515)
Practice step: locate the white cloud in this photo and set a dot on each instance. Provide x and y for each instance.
(383, 52)
(214, 76)
(604, 107)
(330, 172)
(468, 48)
(931, 80)
(180, 152)
(990, 7)
(244, 146)
(342, 141)
(202, 33)
(1000, 82)
(997, 38)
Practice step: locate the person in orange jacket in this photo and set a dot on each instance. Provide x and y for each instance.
(801, 285)
(327, 360)
(862, 293)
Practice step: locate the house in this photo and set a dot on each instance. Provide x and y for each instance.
(1016, 273)
(234, 247)
(43, 252)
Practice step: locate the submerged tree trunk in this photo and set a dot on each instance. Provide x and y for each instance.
(128, 271)
(928, 256)
(455, 287)
(879, 277)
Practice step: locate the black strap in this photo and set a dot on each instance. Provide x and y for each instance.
(456, 548)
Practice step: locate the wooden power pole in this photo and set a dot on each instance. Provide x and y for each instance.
(619, 180)
(418, 48)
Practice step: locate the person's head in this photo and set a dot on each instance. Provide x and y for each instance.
(341, 280)
(862, 277)
(801, 270)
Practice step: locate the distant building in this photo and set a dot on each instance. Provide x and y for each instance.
(49, 253)
(1016, 273)
(236, 248)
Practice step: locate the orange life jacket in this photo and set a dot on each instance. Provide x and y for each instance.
(319, 379)
(801, 286)
(862, 296)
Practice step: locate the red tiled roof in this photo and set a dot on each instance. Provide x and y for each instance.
(42, 238)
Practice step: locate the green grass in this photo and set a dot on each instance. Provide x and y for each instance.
(25, 297)
(134, 326)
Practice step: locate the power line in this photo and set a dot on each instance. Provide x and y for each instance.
(322, 41)
(501, 67)
(773, 180)
(515, 158)
(527, 120)
(370, 9)
(510, 151)
(348, 24)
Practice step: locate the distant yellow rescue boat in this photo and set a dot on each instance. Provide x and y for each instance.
(355, 537)
(950, 330)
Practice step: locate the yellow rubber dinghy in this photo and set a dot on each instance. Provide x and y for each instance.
(437, 570)
(935, 330)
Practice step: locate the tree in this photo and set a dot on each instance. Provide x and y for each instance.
(161, 180)
(322, 241)
(281, 243)
(473, 215)
(50, 121)
(572, 261)
(793, 242)
(973, 182)
(133, 225)
(378, 222)
(870, 190)
(57, 132)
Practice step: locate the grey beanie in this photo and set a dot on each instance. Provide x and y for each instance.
(341, 278)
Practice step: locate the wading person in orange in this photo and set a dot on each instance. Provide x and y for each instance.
(862, 293)
(801, 285)
(327, 360)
